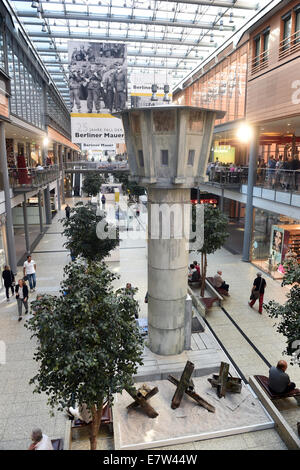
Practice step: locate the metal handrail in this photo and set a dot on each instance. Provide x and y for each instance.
(260, 61)
(289, 45)
(32, 177)
(270, 178)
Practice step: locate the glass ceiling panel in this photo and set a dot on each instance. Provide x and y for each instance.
(195, 30)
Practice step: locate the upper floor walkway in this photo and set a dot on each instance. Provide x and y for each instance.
(277, 190)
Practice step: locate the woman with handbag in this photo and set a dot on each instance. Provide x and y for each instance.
(258, 291)
(9, 281)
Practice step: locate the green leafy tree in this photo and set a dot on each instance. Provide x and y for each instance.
(289, 313)
(92, 183)
(88, 344)
(83, 237)
(215, 235)
(128, 186)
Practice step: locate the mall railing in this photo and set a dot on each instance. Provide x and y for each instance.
(278, 179)
(269, 178)
(224, 176)
(30, 178)
(106, 166)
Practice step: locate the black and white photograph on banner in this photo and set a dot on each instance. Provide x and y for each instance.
(150, 88)
(97, 77)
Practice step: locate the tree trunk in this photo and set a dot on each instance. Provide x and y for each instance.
(203, 269)
(95, 424)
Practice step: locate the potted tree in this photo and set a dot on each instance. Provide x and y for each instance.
(215, 235)
(89, 346)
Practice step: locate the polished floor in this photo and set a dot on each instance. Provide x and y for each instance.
(21, 410)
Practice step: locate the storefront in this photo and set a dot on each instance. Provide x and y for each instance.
(3, 249)
(227, 149)
(275, 239)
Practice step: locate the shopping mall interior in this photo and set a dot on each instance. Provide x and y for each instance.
(113, 115)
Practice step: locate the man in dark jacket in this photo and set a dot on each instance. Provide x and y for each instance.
(22, 297)
(279, 381)
(68, 210)
(9, 281)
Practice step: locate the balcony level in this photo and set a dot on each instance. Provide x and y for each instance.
(274, 190)
(23, 180)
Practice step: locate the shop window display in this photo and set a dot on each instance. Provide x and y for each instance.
(275, 238)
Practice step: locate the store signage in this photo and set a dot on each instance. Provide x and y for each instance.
(142, 94)
(98, 88)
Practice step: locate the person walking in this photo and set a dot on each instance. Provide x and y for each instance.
(258, 291)
(29, 269)
(103, 200)
(67, 210)
(40, 441)
(22, 297)
(9, 281)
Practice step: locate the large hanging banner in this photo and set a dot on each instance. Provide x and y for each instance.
(98, 87)
(150, 88)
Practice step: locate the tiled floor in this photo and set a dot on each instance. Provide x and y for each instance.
(20, 410)
(259, 328)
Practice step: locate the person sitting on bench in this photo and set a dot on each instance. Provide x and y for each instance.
(219, 283)
(193, 274)
(279, 381)
(195, 263)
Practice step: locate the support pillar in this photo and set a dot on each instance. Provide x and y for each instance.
(222, 201)
(12, 261)
(62, 169)
(254, 147)
(27, 240)
(40, 212)
(58, 195)
(47, 205)
(167, 274)
(56, 160)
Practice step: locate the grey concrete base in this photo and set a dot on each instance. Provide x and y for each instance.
(159, 367)
(133, 430)
(188, 322)
(284, 430)
(205, 353)
(196, 302)
(67, 437)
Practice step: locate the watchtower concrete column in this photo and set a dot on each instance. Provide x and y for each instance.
(168, 258)
(168, 149)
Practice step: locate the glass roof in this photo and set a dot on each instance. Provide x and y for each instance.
(162, 35)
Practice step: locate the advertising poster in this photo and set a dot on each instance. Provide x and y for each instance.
(150, 88)
(277, 241)
(98, 87)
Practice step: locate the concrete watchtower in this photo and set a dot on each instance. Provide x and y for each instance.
(168, 149)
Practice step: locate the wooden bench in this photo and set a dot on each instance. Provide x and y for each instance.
(196, 283)
(264, 383)
(208, 302)
(222, 292)
(106, 418)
